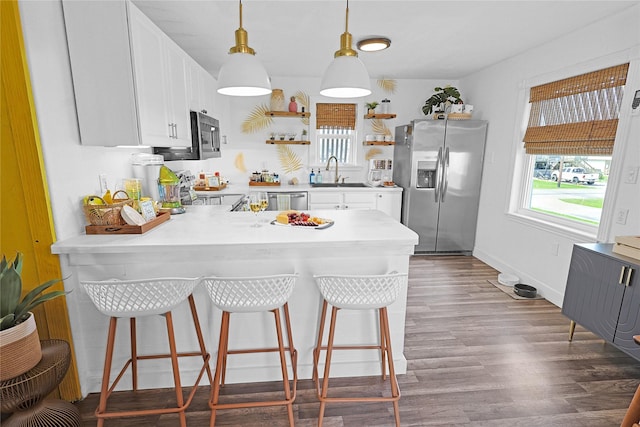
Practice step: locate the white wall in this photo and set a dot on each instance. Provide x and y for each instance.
(499, 94)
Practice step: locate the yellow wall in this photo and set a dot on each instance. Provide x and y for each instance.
(25, 213)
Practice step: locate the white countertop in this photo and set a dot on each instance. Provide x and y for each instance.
(210, 227)
(245, 188)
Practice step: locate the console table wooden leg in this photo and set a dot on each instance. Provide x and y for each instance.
(572, 329)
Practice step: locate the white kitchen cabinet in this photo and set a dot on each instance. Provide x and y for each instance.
(129, 77)
(390, 203)
(385, 201)
(342, 200)
(201, 88)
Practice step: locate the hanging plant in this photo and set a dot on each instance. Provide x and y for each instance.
(447, 95)
(257, 120)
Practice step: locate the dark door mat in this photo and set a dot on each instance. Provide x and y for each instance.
(509, 291)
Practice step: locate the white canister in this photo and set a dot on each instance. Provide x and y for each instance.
(385, 106)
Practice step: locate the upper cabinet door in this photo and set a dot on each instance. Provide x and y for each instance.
(129, 77)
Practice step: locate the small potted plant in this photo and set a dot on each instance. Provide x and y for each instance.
(440, 100)
(19, 340)
(371, 107)
(304, 135)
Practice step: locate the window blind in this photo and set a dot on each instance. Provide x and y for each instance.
(335, 116)
(577, 115)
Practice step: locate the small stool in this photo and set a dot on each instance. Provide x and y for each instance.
(138, 298)
(249, 295)
(24, 395)
(357, 293)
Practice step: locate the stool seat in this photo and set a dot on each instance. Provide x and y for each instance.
(357, 292)
(136, 298)
(139, 298)
(249, 295)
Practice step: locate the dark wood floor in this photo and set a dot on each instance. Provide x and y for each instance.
(476, 357)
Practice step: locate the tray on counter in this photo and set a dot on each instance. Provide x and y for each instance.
(263, 184)
(128, 229)
(222, 187)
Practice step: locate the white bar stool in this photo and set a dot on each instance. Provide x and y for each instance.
(357, 293)
(138, 298)
(249, 295)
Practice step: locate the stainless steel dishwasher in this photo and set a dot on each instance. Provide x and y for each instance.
(298, 200)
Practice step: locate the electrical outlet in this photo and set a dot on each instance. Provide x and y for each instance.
(102, 178)
(631, 176)
(621, 216)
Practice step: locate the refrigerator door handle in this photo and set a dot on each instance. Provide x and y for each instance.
(445, 174)
(438, 166)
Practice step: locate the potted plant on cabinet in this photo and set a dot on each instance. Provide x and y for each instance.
(371, 107)
(19, 340)
(443, 97)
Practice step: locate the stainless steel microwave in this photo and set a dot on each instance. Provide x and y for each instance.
(205, 140)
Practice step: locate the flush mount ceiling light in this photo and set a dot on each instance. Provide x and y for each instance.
(346, 76)
(373, 44)
(243, 74)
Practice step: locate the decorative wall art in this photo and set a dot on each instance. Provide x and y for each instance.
(388, 85)
(257, 120)
(379, 127)
(289, 161)
(239, 163)
(371, 153)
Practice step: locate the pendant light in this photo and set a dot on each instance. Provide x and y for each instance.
(346, 76)
(243, 74)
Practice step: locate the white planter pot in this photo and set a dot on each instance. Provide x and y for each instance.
(20, 349)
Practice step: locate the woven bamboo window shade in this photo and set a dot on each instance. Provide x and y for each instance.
(577, 115)
(336, 115)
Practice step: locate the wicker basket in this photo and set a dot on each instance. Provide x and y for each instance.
(107, 214)
(20, 347)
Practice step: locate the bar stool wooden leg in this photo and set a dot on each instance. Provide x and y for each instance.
(203, 348)
(316, 351)
(383, 345)
(222, 350)
(134, 353)
(106, 373)
(176, 369)
(283, 365)
(327, 366)
(395, 389)
(293, 353)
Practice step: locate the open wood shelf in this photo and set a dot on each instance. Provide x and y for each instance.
(286, 114)
(379, 116)
(277, 141)
(379, 143)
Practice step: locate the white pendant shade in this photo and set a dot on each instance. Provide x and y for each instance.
(243, 75)
(346, 77)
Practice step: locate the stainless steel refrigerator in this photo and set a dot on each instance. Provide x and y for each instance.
(439, 165)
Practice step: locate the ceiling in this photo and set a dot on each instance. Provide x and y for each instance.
(430, 39)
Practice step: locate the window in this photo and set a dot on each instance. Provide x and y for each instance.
(335, 132)
(569, 141)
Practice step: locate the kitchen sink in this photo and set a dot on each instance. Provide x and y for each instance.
(338, 184)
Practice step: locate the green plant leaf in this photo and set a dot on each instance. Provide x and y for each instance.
(7, 321)
(10, 290)
(31, 296)
(41, 299)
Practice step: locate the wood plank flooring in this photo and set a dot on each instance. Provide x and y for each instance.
(476, 357)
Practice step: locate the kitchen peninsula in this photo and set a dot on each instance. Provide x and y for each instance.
(206, 240)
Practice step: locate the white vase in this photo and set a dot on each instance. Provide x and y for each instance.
(20, 349)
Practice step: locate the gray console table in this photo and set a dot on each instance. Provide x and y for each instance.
(603, 295)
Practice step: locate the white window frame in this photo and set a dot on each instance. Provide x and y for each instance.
(521, 169)
(314, 153)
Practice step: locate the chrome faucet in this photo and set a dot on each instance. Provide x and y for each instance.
(337, 177)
